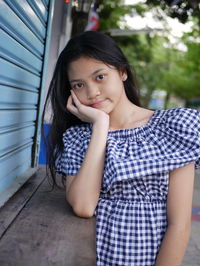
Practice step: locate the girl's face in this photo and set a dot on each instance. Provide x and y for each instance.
(96, 84)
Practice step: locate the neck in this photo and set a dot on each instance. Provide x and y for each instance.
(124, 114)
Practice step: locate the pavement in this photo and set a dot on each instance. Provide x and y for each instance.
(192, 256)
(29, 220)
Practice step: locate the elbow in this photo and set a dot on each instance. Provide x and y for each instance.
(83, 212)
(81, 209)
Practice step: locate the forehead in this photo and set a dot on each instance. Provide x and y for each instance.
(85, 66)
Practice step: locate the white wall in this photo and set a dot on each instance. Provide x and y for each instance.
(61, 32)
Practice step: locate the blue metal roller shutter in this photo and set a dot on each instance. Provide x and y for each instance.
(24, 32)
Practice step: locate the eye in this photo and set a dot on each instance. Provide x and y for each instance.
(77, 85)
(100, 77)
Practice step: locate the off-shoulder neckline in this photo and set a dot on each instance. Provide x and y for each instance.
(157, 118)
(154, 116)
(136, 131)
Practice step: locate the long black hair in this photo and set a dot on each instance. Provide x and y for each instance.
(90, 44)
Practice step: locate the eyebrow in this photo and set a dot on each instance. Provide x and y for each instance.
(93, 73)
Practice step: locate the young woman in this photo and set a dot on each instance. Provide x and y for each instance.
(131, 167)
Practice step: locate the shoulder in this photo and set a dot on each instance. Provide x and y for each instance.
(178, 136)
(182, 117)
(75, 141)
(181, 111)
(76, 134)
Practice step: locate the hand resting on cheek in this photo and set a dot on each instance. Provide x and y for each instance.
(83, 112)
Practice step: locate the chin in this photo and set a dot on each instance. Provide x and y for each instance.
(107, 110)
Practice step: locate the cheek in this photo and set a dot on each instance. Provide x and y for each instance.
(81, 95)
(117, 88)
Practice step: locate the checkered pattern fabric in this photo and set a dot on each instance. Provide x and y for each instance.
(131, 212)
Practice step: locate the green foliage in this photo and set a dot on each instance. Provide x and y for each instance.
(184, 73)
(158, 64)
(164, 68)
(111, 12)
(183, 10)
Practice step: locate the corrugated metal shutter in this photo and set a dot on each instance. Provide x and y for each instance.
(23, 35)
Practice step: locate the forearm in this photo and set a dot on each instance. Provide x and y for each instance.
(83, 193)
(173, 246)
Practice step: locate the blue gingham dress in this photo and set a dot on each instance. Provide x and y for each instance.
(131, 212)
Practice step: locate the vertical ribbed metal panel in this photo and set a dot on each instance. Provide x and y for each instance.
(23, 33)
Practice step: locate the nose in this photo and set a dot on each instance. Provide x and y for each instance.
(92, 91)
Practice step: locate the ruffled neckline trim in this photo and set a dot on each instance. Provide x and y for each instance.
(136, 131)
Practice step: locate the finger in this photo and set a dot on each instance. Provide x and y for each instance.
(72, 109)
(75, 99)
(70, 101)
(70, 104)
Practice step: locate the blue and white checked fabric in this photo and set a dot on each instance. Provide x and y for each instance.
(131, 212)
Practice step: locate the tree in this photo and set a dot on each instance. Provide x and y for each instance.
(159, 65)
(183, 10)
(112, 12)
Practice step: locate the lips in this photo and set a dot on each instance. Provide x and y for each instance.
(97, 104)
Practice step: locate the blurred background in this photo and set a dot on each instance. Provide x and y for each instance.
(160, 38)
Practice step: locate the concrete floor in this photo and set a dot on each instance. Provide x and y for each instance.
(38, 228)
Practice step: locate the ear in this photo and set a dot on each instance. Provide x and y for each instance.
(123, 74)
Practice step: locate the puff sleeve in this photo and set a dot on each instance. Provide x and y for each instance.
(75, 140)
(180, 136)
